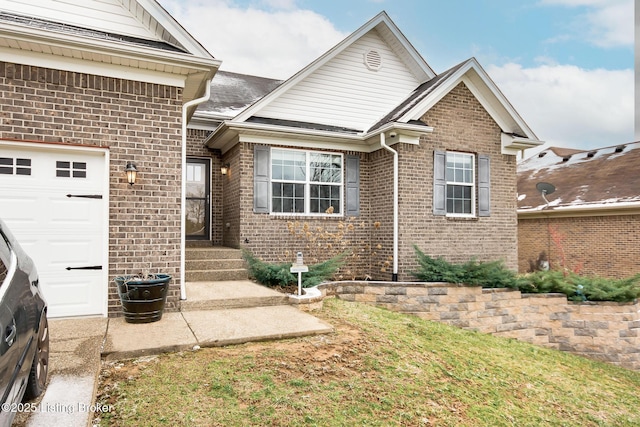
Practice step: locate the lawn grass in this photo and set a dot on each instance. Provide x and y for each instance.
(379, 368)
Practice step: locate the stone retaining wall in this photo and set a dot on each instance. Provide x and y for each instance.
(604, 331)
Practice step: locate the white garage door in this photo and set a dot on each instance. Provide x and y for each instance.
(53, 199)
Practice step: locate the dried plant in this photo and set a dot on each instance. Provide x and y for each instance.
(326, 239)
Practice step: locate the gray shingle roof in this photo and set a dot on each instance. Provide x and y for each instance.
(231, 93)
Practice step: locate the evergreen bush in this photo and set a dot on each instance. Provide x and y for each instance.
(495, 275)
(278, 274)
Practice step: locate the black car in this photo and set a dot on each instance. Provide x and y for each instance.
(24, 331)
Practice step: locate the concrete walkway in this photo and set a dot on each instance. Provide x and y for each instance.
(79, 344)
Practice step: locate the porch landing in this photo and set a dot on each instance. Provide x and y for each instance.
(215, 314)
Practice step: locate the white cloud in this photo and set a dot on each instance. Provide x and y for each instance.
(606, 23)
(252, 41)
(568, 106)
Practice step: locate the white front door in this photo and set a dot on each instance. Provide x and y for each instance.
(53, 198)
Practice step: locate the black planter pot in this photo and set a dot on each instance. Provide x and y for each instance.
(143, 300)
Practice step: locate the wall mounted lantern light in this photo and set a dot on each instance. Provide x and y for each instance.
(131, 171)
(224, 169)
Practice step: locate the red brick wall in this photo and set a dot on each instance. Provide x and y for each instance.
(460, 124)
(607, 246)
(136, 121)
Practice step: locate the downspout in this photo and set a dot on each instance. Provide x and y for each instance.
(394, 276)
(183, 197)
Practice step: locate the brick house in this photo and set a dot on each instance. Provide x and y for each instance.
(85, 88)
(366, 143)
(590, 222)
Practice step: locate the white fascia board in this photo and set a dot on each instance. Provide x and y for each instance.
(227, 132)
(381, 18)
(95, 68)
(307, 144)
(167, 21)
(514, 145)
(612, 209)
(487, 93)
(108, 51)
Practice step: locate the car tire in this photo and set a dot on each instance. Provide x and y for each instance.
(40, 366)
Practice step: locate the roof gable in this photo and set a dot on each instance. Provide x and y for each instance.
(353, 84)
(583, 179)
(483, 88)
(133, 39)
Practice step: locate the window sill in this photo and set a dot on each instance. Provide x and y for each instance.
(461, 218)
(306, 216)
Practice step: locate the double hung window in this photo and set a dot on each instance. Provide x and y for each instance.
(461, 184)
(306, 182)
(460, 176)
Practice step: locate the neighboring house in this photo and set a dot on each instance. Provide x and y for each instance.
(85, 88)
(590, 222)
(370, 139)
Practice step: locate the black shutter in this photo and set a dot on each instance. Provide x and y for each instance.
(484, 185)
(439, 183)
(353, 185)
(261, 165)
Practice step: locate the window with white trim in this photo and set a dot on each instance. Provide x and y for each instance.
(460, 176)
(306, 182)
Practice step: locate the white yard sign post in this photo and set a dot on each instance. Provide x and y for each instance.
(299, 268)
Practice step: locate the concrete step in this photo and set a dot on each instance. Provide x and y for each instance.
(216, 275)
(198, 243)
(215, 264)
(219, 295)
(214, 252)
(208, 328)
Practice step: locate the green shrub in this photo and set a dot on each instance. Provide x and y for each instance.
(274, 274)
(583, 288)
(472, 273)
(268, 274)
(495, 275)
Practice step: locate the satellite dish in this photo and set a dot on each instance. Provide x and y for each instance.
(545, 188)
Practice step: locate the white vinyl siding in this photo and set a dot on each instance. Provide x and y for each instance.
(344, 92)
(105, 15)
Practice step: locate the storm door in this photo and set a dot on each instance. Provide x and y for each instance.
(198, 207)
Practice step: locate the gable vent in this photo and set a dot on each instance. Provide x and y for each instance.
(373, 60)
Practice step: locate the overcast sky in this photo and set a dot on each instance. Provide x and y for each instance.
(565, 65)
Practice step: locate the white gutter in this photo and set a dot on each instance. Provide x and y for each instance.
(394, 276)
(183, 197)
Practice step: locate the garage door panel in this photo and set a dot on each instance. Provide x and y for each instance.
(66, 297)
(72, 212)
(73, 253)
(18, 205)
(59, 231)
